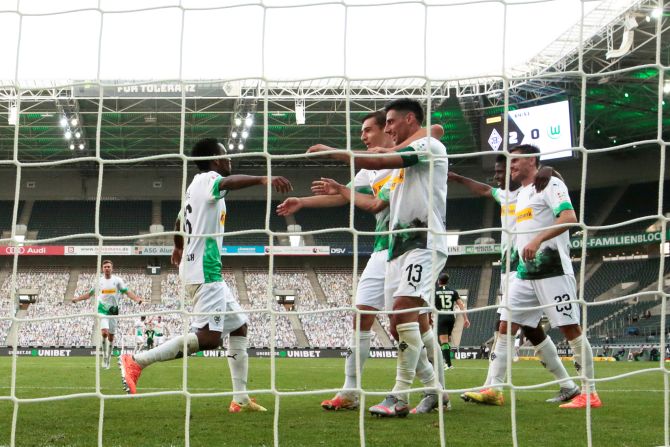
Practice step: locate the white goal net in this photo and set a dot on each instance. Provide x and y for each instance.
(105, 98)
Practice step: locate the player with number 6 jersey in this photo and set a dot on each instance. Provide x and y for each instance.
(199, 259)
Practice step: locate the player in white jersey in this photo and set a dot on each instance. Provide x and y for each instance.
(139, 333)
(544, 346)
(370, 290)
(111, 289)
(545, 274)
(199, 260)
(161, 330)
(415, 257)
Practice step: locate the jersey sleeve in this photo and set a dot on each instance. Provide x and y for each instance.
(121, 286)
(212, 187)
(498, 195)
(557, 197)
(361, 182)
(418, 151)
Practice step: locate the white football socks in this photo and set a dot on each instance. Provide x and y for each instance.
(409, 349)
(108, 351)
(583, 363)
(496, 334)
(170, 350)
(238, 362)
(363, 352)
(429, 340)
(548, 355)
(498, 363)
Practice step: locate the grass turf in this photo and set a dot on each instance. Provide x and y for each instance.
(632, 414)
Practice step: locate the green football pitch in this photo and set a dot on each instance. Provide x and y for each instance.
(632, 414)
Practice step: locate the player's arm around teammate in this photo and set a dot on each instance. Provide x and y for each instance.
(387, 162)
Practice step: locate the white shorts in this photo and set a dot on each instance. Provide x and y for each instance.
(109, 324)
(215, 297)
(370, 291)
(557, 290)
(139, 340)
(159, 340)
(505, 279)
(413, 274)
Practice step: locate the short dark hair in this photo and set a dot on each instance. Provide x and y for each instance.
(406, 105)
(501, 158)
(206, 147)
(443, 278)
(528, 149)
(379, 116)
(107, 261)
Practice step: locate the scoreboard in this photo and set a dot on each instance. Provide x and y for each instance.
(547, 126)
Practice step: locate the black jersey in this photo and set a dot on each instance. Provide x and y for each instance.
(445, 298)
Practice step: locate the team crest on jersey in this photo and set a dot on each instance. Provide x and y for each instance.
(524, 214)
(222, 219)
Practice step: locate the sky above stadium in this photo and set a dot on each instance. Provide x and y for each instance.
(56, 41)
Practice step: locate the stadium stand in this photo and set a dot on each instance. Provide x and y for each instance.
(117, 218)
(466, 214)
(630, 206)
(6, 211)
(323, 330)
(124, 218)
(54, 218)
(256, 283)
(323, 218)
(337, 286)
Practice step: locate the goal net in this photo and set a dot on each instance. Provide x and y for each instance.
(104, 99)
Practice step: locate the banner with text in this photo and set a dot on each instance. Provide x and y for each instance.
(298, 353)
(33, 250)
(600, 241)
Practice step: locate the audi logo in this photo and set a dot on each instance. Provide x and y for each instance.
(14, 250)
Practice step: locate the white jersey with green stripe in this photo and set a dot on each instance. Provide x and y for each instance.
(371, 182)
(409, 192)
(110, 294)
(204, 214)
(507, 201)
(535, 211)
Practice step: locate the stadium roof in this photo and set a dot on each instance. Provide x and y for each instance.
(307, 62)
